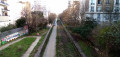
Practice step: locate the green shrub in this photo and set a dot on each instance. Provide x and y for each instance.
(86, 28)
(109, 40)
(9, 27)
(21, 22)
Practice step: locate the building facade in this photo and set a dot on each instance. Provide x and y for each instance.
(15, 9)
(11, 10)
(104, 10)
(4, 18)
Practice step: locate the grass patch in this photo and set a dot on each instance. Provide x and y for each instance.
(46, 42)
(86, 49)
(13, 40)
(17, 49)
(40, 32)
(37, 46)
(65, 49)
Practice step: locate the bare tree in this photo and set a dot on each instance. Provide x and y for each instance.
(35, 20)
(51, 17)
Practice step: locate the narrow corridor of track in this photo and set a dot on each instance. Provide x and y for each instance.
(64, 47)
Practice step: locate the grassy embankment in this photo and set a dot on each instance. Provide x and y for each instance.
(17, 49)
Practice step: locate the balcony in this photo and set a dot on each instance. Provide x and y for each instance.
(92, 11)
(4, 18)
(5, 9)
(117, 4)
(99, 11)
(3, 3)
(92, 3)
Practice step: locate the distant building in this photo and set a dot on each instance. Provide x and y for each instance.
(4, 18)
(39, 5)
(103, 10)
(26, 8)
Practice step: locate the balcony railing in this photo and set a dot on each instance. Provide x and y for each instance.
(98, 10)
(92, 3)
(5, 9)
(117, 3)
(3, 3)
(92, 11)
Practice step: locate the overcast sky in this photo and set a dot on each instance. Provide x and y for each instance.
(55, 6)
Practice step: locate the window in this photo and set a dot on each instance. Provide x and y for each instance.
(116, 17)
(116, 9)
(107, 9)
(117, 1)
(107, 1)
(92, 2)
(99, 9)
(92, 9)
(99, 1)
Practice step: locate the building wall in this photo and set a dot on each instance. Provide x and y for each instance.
(4, 18)
(99, 11)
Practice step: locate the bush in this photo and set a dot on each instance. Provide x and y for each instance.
(9, 27)
(109, 40)
(21, 22)
(86, 28)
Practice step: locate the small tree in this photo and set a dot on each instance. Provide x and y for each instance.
(9, 27)
(20, 22)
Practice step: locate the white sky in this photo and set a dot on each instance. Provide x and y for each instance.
(55, 6)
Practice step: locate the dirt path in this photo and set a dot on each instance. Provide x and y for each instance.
(50, 50)
(65, 47)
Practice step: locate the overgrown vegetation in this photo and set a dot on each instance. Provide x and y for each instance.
(108, 40)
(104, 38)
(89, 52)
(86, 28)
(40, 32)
(64, 47)
(20, 22)
(17, 49)
(37, 46)
(9, 27)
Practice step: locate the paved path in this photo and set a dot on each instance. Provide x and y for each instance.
(8, 44)
(27, 53)
(50, 50)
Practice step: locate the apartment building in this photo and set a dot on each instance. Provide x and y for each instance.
(11, 10)
(104, 10)
(17, 9)
(4, 18)
(40, 5)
